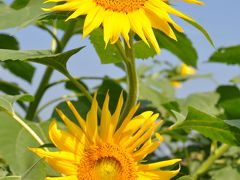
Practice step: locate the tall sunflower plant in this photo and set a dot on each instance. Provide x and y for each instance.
(132, 127)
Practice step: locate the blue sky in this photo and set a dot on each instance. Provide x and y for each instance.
(219, 17)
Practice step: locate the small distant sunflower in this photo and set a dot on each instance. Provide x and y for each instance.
(118, 17)
(186, 70)
(89, 152)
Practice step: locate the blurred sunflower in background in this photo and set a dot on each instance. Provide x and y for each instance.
(184, 71)
(118, 17)
(89, 152)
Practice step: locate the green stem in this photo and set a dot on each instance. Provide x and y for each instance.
(80, 87)
(29, 129)
(48, 73)
(56, 100)
(128, 56)
(210, 161)
(39, 94)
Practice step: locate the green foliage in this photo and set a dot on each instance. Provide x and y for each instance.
(29, 14)
(211, 127)
(56, 61)
(182, 48)
(8, 42)
(228, 55)
(6, 101)
(23, 70)
(107, 54)
(194, 126)
(226, 173)
(230, 101)
(202, 30)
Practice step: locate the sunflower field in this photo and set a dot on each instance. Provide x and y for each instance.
(119, 90)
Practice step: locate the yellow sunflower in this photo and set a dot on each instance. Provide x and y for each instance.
(89, 152)
(186, 70)
(118, 17)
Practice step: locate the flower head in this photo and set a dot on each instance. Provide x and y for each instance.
(118, 17)
(89, 152)
(187, 70)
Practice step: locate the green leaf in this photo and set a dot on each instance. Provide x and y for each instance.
(9, 130)
(28, 164)
(230, 101)
(142, 51)
(6, 101)
(23, 55)
(107, 54)
(235, 123)
(228, 55)
(56, 61)
(211, 127)
(23, 70)
(158, 91)
(205, 101)
(202, 30)
(226, 173)
(14, 147)
(10, 88)
(11, 178)
(182, 48)
(235, 80)
(10, 17)
(18, 4)
(228, 92)
(231, 108)
(8, 42)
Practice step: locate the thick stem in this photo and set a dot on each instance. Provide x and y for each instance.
(132, 79)
(210, 161)
(47, 75)
(39, 94)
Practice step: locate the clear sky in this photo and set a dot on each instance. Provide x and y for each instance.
(219, 17)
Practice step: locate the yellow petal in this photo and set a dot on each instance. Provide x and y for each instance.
(105, 119)
(82, 9)
(166, 175)
(115, 117)
(63, 178)
(65, 141)
(93, 20)
(72, 127)
(194, 2)
(92, 120)
(60, 155)
(81, 121)
(157, 165)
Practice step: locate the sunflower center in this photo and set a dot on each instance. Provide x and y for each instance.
(106, 162)
(125, 6)
(108, 169)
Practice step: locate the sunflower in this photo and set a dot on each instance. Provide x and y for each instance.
(186, 70)
(118, 17)
(89, 152)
